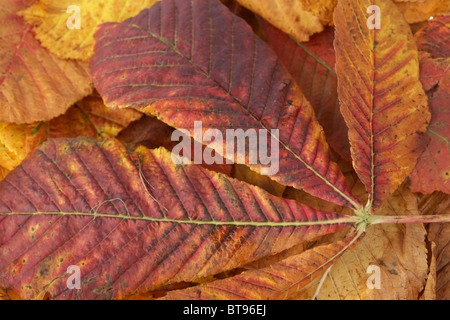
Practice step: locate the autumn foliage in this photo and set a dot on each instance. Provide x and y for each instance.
(88, 178)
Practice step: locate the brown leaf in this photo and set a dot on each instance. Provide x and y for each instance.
(439, 234)
(432, 171)
(429, 293)
(398, 250)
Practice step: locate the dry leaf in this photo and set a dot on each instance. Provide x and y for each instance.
(422, 11)
(380, 95)
(35, 85)
(439, 234)
(49, 19)
(138, 225)
(88, 118)
(256, 93)
(298, 18)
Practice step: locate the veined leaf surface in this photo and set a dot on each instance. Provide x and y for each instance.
(312, 66)
(433, 38)
(34, 84)
(432, 171)
(380, 94)
(299, 18)
(134, 222)
(278, 281)
(49, 20)
(194, 60)
(87, 118)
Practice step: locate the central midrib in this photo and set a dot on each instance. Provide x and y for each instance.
(342, 220)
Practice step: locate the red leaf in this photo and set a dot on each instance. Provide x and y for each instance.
(434, 37)
(432, 171)
(133, 222)
(312, 66)
(198, 61)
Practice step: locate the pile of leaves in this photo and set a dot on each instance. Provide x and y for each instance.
(85, 149)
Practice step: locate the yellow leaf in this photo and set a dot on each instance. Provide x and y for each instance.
(51, 19)
(298, 18)
(16, 141)
(243, 173)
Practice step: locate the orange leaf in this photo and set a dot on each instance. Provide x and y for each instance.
(381, 97)
(278, 281)
(35, 85)
(91, 118)
(88, 118)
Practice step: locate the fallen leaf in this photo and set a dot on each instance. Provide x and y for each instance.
(423, 10)
(432, 171)
(298, 18)
(433, 37)
(380, 95)
(8, 294)
(439, 234)
(35, 85)
(243, 173)
(50, 19)
(229, 80)
(149, 132)
(153, 133)
(16, 141)
(278, 281)
(88, 118)
(429, 293)
(312, 66)
(133, 222)
(91, 118)
(398, 251)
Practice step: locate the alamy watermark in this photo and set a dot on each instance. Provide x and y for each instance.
(374, 280)
(74, 281)
(236, 145)
(74, 21)
(374, 21)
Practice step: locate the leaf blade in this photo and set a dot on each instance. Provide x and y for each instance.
(35, 85)
(276, 282)
(381, 98)
(312, 66)
(143, 224)
(204, 77)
